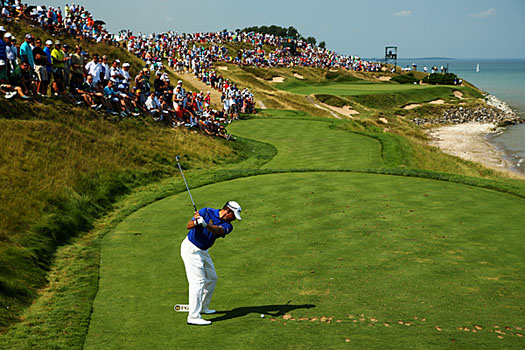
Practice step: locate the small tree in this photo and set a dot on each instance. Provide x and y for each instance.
(292, 32)
(322, 45)
(311, 40)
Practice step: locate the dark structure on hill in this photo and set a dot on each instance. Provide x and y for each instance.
(391, 55)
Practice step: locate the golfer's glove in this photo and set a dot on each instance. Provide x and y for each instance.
(200, 221)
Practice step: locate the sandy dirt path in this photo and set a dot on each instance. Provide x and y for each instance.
(190, 78)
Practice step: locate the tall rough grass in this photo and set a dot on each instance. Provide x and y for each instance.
(62, 167)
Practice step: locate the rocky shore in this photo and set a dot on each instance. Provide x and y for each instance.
(496, 112)
(463, 133)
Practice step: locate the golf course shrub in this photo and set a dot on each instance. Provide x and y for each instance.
(332, 100)
(337, 77)
(392, 100)
(440, 79)
(405, 79)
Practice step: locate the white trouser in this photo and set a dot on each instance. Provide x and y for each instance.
(201, 276)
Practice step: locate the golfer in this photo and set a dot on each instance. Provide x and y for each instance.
(205, 227)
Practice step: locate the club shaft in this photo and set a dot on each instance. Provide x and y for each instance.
(184, 178)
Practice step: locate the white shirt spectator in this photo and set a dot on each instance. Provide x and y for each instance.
(11, 52)
(94, 69)
(125, 74)
(152, 103)
(116, 73)
(107, 69)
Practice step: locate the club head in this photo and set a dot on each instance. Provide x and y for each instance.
(177, 158)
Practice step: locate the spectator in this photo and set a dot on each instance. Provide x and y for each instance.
(185, 116)
(67, 65)
(21, 79)
(47, 51)
(126, 77)
(90, 95)
(153, 106)
(142, 84)
(3, 48)
(137, 102)
(94, 68)
(111, 96)
(6, 88)
(5, 12)
(105, 69)
(116, 73)
(58, 61)
(159, 85)
(11, 51)
(40, 59)
(26, 51)
(125, 100)
(77, 65)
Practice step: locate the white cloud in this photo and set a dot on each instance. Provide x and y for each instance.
(403, 13)
(484, 14)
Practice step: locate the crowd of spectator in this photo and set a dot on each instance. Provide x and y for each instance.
(41, 66)
(74, 20)
(195, 53)
(171, 45)
(186, 57)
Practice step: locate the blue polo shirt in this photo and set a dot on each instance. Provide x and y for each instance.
(200, 236)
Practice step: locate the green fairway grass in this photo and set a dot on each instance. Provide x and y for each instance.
(332, 259)
(347, 88)
(311, 144)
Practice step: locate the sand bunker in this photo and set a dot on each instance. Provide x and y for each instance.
(437, 102)
(458, 94)
(222, 68)
(347, 111)
(385, 78)
(261, 103)
(298, 76)
(412, 106)
(277, 79)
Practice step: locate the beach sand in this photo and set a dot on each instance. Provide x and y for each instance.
(468, 141)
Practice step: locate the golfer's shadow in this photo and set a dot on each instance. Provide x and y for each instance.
(267, 310)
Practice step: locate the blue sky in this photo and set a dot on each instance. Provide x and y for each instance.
(423, 28)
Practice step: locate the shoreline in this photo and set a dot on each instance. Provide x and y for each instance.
(470, 141)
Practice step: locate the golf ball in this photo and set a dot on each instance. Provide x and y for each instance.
(262, 315)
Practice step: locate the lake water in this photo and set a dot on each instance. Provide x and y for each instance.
(503, 78)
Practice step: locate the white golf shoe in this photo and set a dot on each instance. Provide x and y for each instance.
(198, 322)
(209, 311)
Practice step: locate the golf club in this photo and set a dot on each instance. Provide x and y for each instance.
(184, 178)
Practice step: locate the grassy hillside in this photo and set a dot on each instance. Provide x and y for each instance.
(62, 166)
